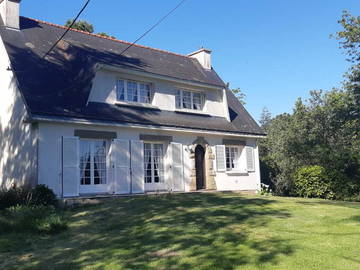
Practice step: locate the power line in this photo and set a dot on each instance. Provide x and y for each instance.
(67, 30)
(152, 27)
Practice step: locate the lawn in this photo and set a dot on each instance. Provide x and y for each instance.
(195, 231)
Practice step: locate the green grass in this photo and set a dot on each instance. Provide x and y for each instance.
(195, 231)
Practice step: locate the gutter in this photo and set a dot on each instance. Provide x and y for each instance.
(51, 119)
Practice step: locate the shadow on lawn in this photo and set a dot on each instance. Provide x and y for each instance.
(185, 231)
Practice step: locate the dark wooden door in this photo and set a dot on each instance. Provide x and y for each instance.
(199, 165)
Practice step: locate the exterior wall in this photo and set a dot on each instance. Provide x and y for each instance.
(50, 155)
(104, 90)
(18, 150)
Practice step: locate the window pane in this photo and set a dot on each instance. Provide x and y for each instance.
(144, 93)
(158, 163)
(132, 91)
(186, 101)
(120, 90)
(99, 162)
(178, 99)
(197, 104)
(85, 163)
(227, 154)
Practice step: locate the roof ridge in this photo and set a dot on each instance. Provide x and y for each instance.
(103, 37)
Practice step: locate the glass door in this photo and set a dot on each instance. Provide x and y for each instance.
(93, 166)
(154, 166)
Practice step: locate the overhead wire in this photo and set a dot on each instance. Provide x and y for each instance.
(67, 30)
(152, 27)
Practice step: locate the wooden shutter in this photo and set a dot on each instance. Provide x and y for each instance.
(70, 166)
(120, 156)
(137, 166)
(220, 158)
(250, 162)
(177, 167)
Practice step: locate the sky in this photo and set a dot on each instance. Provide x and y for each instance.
(273, 50)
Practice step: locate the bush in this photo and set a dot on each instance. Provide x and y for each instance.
(313, 182)
(36, 219)
(14, 196)
(39, 195)
(42, 195)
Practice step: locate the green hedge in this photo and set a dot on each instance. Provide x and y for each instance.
(313, 182)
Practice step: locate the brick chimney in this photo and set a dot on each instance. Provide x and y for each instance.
(203, 56)
(9, 11)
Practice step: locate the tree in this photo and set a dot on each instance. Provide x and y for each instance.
(323, 130)
(265, 117)
(105, 35)
(239, 95)
(86, 26)
(81, 25)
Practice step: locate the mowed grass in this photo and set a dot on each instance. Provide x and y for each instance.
(195, 231)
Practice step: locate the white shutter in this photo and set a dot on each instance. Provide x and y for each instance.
(220, 158)
(177, 167)
(120, 156)
(137, 166)
(70, 166)
(250, 162)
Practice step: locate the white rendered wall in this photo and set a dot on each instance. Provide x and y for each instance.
(18, 151)
(104, 90)
(50, 155)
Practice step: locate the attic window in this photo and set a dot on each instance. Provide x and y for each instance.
(189, 100)
(132, 91)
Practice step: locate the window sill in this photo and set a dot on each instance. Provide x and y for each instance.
(191, 111)
(134, 104)
(237, 172)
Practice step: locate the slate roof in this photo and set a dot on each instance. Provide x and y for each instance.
(59, 85)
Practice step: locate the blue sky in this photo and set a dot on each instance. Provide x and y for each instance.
(275, 51)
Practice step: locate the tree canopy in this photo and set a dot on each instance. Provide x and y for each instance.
(322, 134)
(85, 26)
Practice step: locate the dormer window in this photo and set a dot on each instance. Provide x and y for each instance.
(189, 100)
(132, 91)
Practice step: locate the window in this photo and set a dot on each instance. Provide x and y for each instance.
(189, 100)
(131, 91)
(92, 162)
(154, 162)
(232, 154)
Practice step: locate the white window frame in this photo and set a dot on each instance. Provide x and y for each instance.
(161, 180)
(181, 91)
(228, 150)
(138, 91)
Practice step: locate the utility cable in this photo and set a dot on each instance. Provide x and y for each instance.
(152, 27)
(67, 30)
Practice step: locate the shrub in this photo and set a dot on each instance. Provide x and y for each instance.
(14, 196)
(313, 182)
(36, 219)
(39, 195)
(42, 195)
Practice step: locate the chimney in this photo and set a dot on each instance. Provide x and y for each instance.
(203, 56)
(9, 11)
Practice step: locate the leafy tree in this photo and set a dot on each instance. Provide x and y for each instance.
(265, 117)
(105, 35)
(86, 26)
(81, 25)
(239, 95)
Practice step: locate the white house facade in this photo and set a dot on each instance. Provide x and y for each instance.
(88, 120)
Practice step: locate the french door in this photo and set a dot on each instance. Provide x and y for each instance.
(154, 166)
(93, 166)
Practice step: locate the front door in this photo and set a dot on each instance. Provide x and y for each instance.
(199, 166)
(154, 166)
(93, 166)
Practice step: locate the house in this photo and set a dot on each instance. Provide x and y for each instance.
(87, 120)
